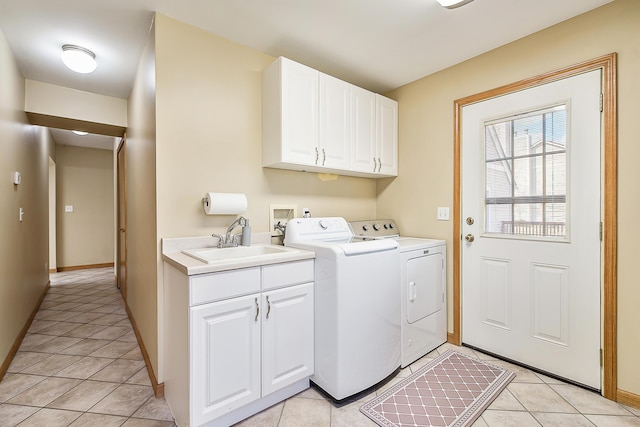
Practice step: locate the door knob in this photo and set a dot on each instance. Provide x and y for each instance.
(469, 238)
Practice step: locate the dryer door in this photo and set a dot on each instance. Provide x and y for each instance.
(423, 283)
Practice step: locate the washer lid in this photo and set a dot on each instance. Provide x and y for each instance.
(322, 229)
(334, 233)
(360, 247)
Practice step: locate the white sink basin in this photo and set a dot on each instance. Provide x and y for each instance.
(215, 255)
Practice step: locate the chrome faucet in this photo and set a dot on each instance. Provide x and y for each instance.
(232, 240)
(228, 240)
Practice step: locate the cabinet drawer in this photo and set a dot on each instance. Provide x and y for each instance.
(290, 273)
(223, 285)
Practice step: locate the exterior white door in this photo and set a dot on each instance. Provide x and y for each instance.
(531, 203)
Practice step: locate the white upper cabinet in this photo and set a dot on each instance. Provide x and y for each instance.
(317, 123)
(387, 135)
(289, 114)
(363, 130)
(334, 123)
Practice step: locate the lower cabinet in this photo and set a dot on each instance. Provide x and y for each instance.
(228, 356)
(248, 347)
(287, 337)
(225, 356)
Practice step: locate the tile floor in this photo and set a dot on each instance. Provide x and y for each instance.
(530, 400)
(80, 365)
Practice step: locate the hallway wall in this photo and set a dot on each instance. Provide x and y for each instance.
(24, 263)
(85, 181)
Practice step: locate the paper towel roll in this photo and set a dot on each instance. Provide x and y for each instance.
(224, 203)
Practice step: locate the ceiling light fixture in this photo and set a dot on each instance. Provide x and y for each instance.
(78, 59)
(452, 4)
(80, 132)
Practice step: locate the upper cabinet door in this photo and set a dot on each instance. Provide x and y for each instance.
(387, 136)
(363, 130)
(334, 123)
(299, 112)
(289, 114)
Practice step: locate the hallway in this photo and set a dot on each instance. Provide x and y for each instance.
(80, 363)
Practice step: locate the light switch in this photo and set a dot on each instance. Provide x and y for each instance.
(443, 214)
(68, 208)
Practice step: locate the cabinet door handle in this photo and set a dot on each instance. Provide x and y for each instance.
(317, 155)
(268, 306)
(257, 310)
(375, 164)
(324, 156)
(379, 164)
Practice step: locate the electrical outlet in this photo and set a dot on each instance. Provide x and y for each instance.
(443, 214)
(68, 208)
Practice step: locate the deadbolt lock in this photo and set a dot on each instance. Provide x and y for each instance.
(470, 220)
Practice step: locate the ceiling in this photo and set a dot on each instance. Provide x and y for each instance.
(377, 44)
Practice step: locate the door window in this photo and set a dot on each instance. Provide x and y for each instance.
(526, 175)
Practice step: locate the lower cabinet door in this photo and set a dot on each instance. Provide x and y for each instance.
(225, 357)
(287, 336)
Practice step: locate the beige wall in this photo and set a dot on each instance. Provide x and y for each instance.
(426, 141)
(44, 98)
(85, 181)
(141, 202)
(24, 245)
(209, 139)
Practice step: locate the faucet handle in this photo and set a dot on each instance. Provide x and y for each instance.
(220, 239)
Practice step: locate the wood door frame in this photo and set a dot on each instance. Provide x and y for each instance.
(121, 231)
(608, 65)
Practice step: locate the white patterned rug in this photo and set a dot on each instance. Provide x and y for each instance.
(451, 390)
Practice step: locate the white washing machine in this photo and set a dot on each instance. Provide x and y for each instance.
(423, 282)
(356, 303)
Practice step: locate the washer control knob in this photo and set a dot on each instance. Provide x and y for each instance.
(322, 225)
(365, 227)
(391, 226)
(386, 226)
(376, 227)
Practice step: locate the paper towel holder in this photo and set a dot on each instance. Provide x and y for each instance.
(224, 203)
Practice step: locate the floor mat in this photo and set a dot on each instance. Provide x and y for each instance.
(451, 390)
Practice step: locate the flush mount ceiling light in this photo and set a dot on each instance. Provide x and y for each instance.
(78, 59)
(452, 4)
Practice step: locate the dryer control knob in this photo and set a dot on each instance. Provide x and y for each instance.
(322, 225)
(376, 227)
(365, 227)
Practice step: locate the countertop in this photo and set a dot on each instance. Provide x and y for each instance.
(172, 254)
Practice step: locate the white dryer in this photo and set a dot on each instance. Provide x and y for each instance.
(423, 282)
